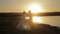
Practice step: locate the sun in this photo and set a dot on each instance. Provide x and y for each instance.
(35, 8)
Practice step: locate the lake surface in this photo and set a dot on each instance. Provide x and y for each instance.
(51, 20)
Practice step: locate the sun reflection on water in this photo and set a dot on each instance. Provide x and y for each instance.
(37, 19)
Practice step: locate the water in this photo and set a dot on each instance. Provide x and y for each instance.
(51, 20)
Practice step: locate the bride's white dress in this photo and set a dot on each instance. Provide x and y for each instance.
(23, 25)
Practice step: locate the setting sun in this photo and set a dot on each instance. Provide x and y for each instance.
(35, 8)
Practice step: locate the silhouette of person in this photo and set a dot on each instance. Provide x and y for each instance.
(22, 22)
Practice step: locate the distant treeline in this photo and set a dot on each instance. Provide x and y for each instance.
(49, 14)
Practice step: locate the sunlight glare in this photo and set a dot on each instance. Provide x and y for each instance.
(36, 19)
(35, 8)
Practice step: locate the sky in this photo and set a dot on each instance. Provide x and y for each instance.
(21, 5)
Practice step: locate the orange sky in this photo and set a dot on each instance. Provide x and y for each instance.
(21, 5)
